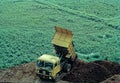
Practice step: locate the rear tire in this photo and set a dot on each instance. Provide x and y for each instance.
(67, 67)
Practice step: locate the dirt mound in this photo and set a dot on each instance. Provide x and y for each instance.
(93, 72)
(82, 72)
(24, 73)
(113, 67)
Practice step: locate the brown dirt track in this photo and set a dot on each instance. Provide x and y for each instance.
(82, 72)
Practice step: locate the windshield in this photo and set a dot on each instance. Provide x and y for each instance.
(44, 64)
(40, 63)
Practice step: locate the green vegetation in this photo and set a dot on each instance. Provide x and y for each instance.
(27, 27)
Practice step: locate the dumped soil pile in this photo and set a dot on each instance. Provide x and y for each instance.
(82, 72)
(112, 67)
(93, 72)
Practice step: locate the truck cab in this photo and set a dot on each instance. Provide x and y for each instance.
(47, 66)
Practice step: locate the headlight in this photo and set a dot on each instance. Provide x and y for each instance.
(50, 77)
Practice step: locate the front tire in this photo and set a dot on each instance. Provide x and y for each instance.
(57, 78)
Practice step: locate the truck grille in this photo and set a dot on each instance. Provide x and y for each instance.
(40, 71)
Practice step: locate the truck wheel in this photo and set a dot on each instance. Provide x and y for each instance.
(57, 78)
(67, 67)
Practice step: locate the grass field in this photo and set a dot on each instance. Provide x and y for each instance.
(27, 27)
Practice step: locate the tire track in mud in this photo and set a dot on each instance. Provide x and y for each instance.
(78, 14)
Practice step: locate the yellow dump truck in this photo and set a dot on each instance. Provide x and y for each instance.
(51, 66)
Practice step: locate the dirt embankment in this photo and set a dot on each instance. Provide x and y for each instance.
(82, 72)
(24, 73)
(93, 72)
